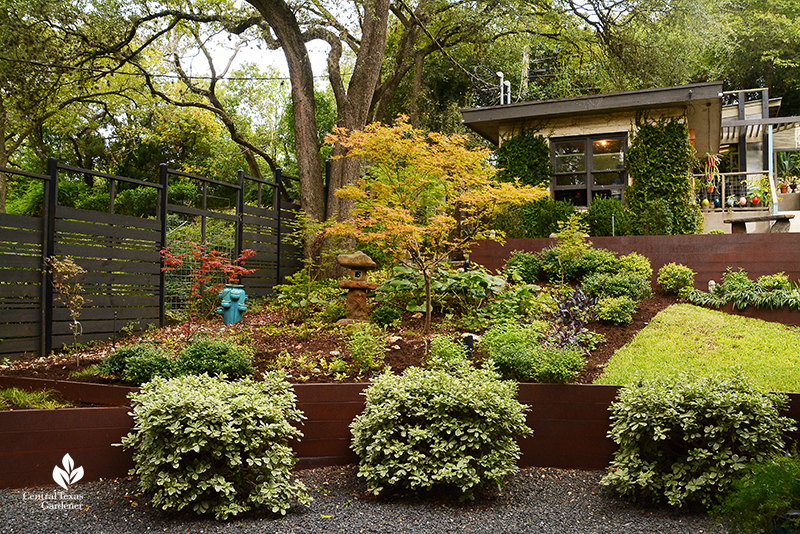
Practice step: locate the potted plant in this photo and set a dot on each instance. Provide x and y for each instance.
(793, 180)
(783, 185)
(765, 498)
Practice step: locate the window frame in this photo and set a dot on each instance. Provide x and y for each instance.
(588, 187)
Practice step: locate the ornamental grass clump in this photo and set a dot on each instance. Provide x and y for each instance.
(216, 447)
(686, 439)
(431, 428)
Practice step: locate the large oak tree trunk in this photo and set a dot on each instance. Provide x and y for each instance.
(283, 22)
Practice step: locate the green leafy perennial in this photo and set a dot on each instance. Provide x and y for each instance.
(686, 439)
(214, 446)
(430, 428)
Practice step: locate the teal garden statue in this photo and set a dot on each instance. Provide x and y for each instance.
(233, 303)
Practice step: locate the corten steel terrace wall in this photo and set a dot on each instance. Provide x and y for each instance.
(708, 255)
(570, 424)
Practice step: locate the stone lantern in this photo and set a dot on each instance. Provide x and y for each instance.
(357, 286)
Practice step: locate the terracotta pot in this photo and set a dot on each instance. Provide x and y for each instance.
(784, 188)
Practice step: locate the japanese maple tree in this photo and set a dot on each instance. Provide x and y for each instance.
(422, 197)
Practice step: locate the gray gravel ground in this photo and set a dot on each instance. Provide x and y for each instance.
(536, 500)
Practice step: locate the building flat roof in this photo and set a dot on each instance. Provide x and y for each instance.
(486, 121)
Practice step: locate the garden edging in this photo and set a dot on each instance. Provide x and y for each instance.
(570, 424)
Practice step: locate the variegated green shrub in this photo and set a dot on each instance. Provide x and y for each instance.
(430, 427)
(686, 439)
(214, 446)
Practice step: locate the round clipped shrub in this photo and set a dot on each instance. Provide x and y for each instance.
(215, 357)
(599, 217)
(542, 364)
(672, 278)
(216, 447)
(774, 282)
(685, 439)
(138, 363)
(431, 428)
(385, 315)
(617, 310)
(635, 263)
(523, 267)
(634, 286)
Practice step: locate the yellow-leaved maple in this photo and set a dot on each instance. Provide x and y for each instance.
(422, 196)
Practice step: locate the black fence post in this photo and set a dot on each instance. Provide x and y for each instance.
(50, 201)
(239, 214)
(163, 179)
(276, 203)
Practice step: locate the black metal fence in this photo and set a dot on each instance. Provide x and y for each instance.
(124, 284)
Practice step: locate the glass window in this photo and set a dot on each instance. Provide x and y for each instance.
(570, 156)
(588, 167)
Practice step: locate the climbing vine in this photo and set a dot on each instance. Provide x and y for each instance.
(659, 162)
(526, 157)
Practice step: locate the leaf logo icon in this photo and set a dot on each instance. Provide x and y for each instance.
(69, 475)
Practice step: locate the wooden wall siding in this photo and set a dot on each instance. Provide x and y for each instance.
(21, 290)
(708, 255)
(570, 424)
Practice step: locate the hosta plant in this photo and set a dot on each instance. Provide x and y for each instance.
(431, 428)
(685, 439)
(216, 447)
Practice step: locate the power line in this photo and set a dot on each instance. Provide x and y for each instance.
(167, 76)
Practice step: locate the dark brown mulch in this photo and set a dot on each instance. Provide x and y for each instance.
(407, 351)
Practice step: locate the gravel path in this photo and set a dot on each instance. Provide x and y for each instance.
(536, 500)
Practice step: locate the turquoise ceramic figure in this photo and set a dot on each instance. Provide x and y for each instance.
(233, 304)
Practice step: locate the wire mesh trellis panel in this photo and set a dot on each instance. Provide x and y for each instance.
(184, 235)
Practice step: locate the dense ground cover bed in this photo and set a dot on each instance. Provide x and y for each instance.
(688, 339)
(307, 344)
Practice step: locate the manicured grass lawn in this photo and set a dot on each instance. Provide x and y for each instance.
(686, 338)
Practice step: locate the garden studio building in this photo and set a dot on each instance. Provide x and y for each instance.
(589, 135)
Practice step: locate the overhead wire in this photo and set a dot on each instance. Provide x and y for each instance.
(167, 76)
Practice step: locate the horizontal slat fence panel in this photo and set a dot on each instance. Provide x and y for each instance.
(121, 253)
(102, 244)
(21, 240)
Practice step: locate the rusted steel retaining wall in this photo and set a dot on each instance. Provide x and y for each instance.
(708, 255)
(570, 424)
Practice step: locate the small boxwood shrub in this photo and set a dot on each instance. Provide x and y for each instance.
(523, 267)
(635, 263)
(385, 315)
(216, 447)
(138, 363)
(539, 363)
(685, 439)
(596, 260)
(617, 310)
(215, 357)
(673, 278)
(444, 353)
(431, 428)
(634, 286)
